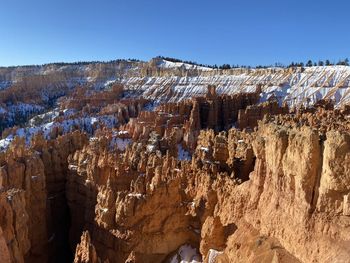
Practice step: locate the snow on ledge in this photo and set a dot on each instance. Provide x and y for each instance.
(186, 254)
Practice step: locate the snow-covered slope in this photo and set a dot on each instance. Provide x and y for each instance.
(294, 87)
(72, 74)
(170, 65)
(168, 83)
(86, 124)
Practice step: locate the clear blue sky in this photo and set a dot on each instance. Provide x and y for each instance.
(211, 32)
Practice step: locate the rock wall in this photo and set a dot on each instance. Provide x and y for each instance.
(33, 197)
(24, 188)
(278, 213)
(178, 182)
(249, 117)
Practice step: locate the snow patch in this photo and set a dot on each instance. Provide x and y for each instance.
(121, 143)
(2, 110)
(137, 195)
(186, 254)
(212, 255)
(5, 143)
(150, 148)
(182, 154)
(205, 149)
(169, 64)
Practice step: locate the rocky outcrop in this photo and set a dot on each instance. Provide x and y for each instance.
(4, 249)
(54, 155)
(180, 182)
(32, 194)
(23, 172)
(185, 119)
(14, 225)
(85, 252)
(249, 117)
(212, 206)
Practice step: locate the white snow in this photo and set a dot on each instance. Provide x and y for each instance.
(48, 126)
(212, 254)
(197, 231)
(93, 120)
(5, 84)
(2, 110)
(72, 167)
(205, 149)
(150, 106)
(45, 117)
(182, 154)
(4, 143)
(137, 195)
(186, 254)
(109, 82)
(294, 88)
(121, 143)
(25, 108)
(122, 132)
(169, 64)
(84, 123)
(150, 148)
(69, 112)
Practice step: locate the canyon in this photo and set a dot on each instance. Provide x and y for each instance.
(160, 161)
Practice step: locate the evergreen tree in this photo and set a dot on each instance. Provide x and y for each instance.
(309, 63)
(225, 66)
(328, 63)
(320, 63)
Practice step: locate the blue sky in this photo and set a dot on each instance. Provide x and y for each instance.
(210, 32)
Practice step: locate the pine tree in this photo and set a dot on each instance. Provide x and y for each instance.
(309, 63)
(328, 63)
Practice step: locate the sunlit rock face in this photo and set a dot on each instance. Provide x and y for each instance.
(171, 162)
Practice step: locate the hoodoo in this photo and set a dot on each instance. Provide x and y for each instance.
(164, 161)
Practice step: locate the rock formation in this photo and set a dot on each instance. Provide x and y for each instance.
(213, 178)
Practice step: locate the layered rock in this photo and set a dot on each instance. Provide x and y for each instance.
(85, 252)
(256, 218)
(14, 225)
(33, 183)
(23, 171)
(249, 117)
(177, 182)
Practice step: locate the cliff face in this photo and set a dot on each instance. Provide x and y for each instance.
(291, 208)
(32, 91)
(24, 193)
(33, 197)
(213, 178)
(164, 81)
